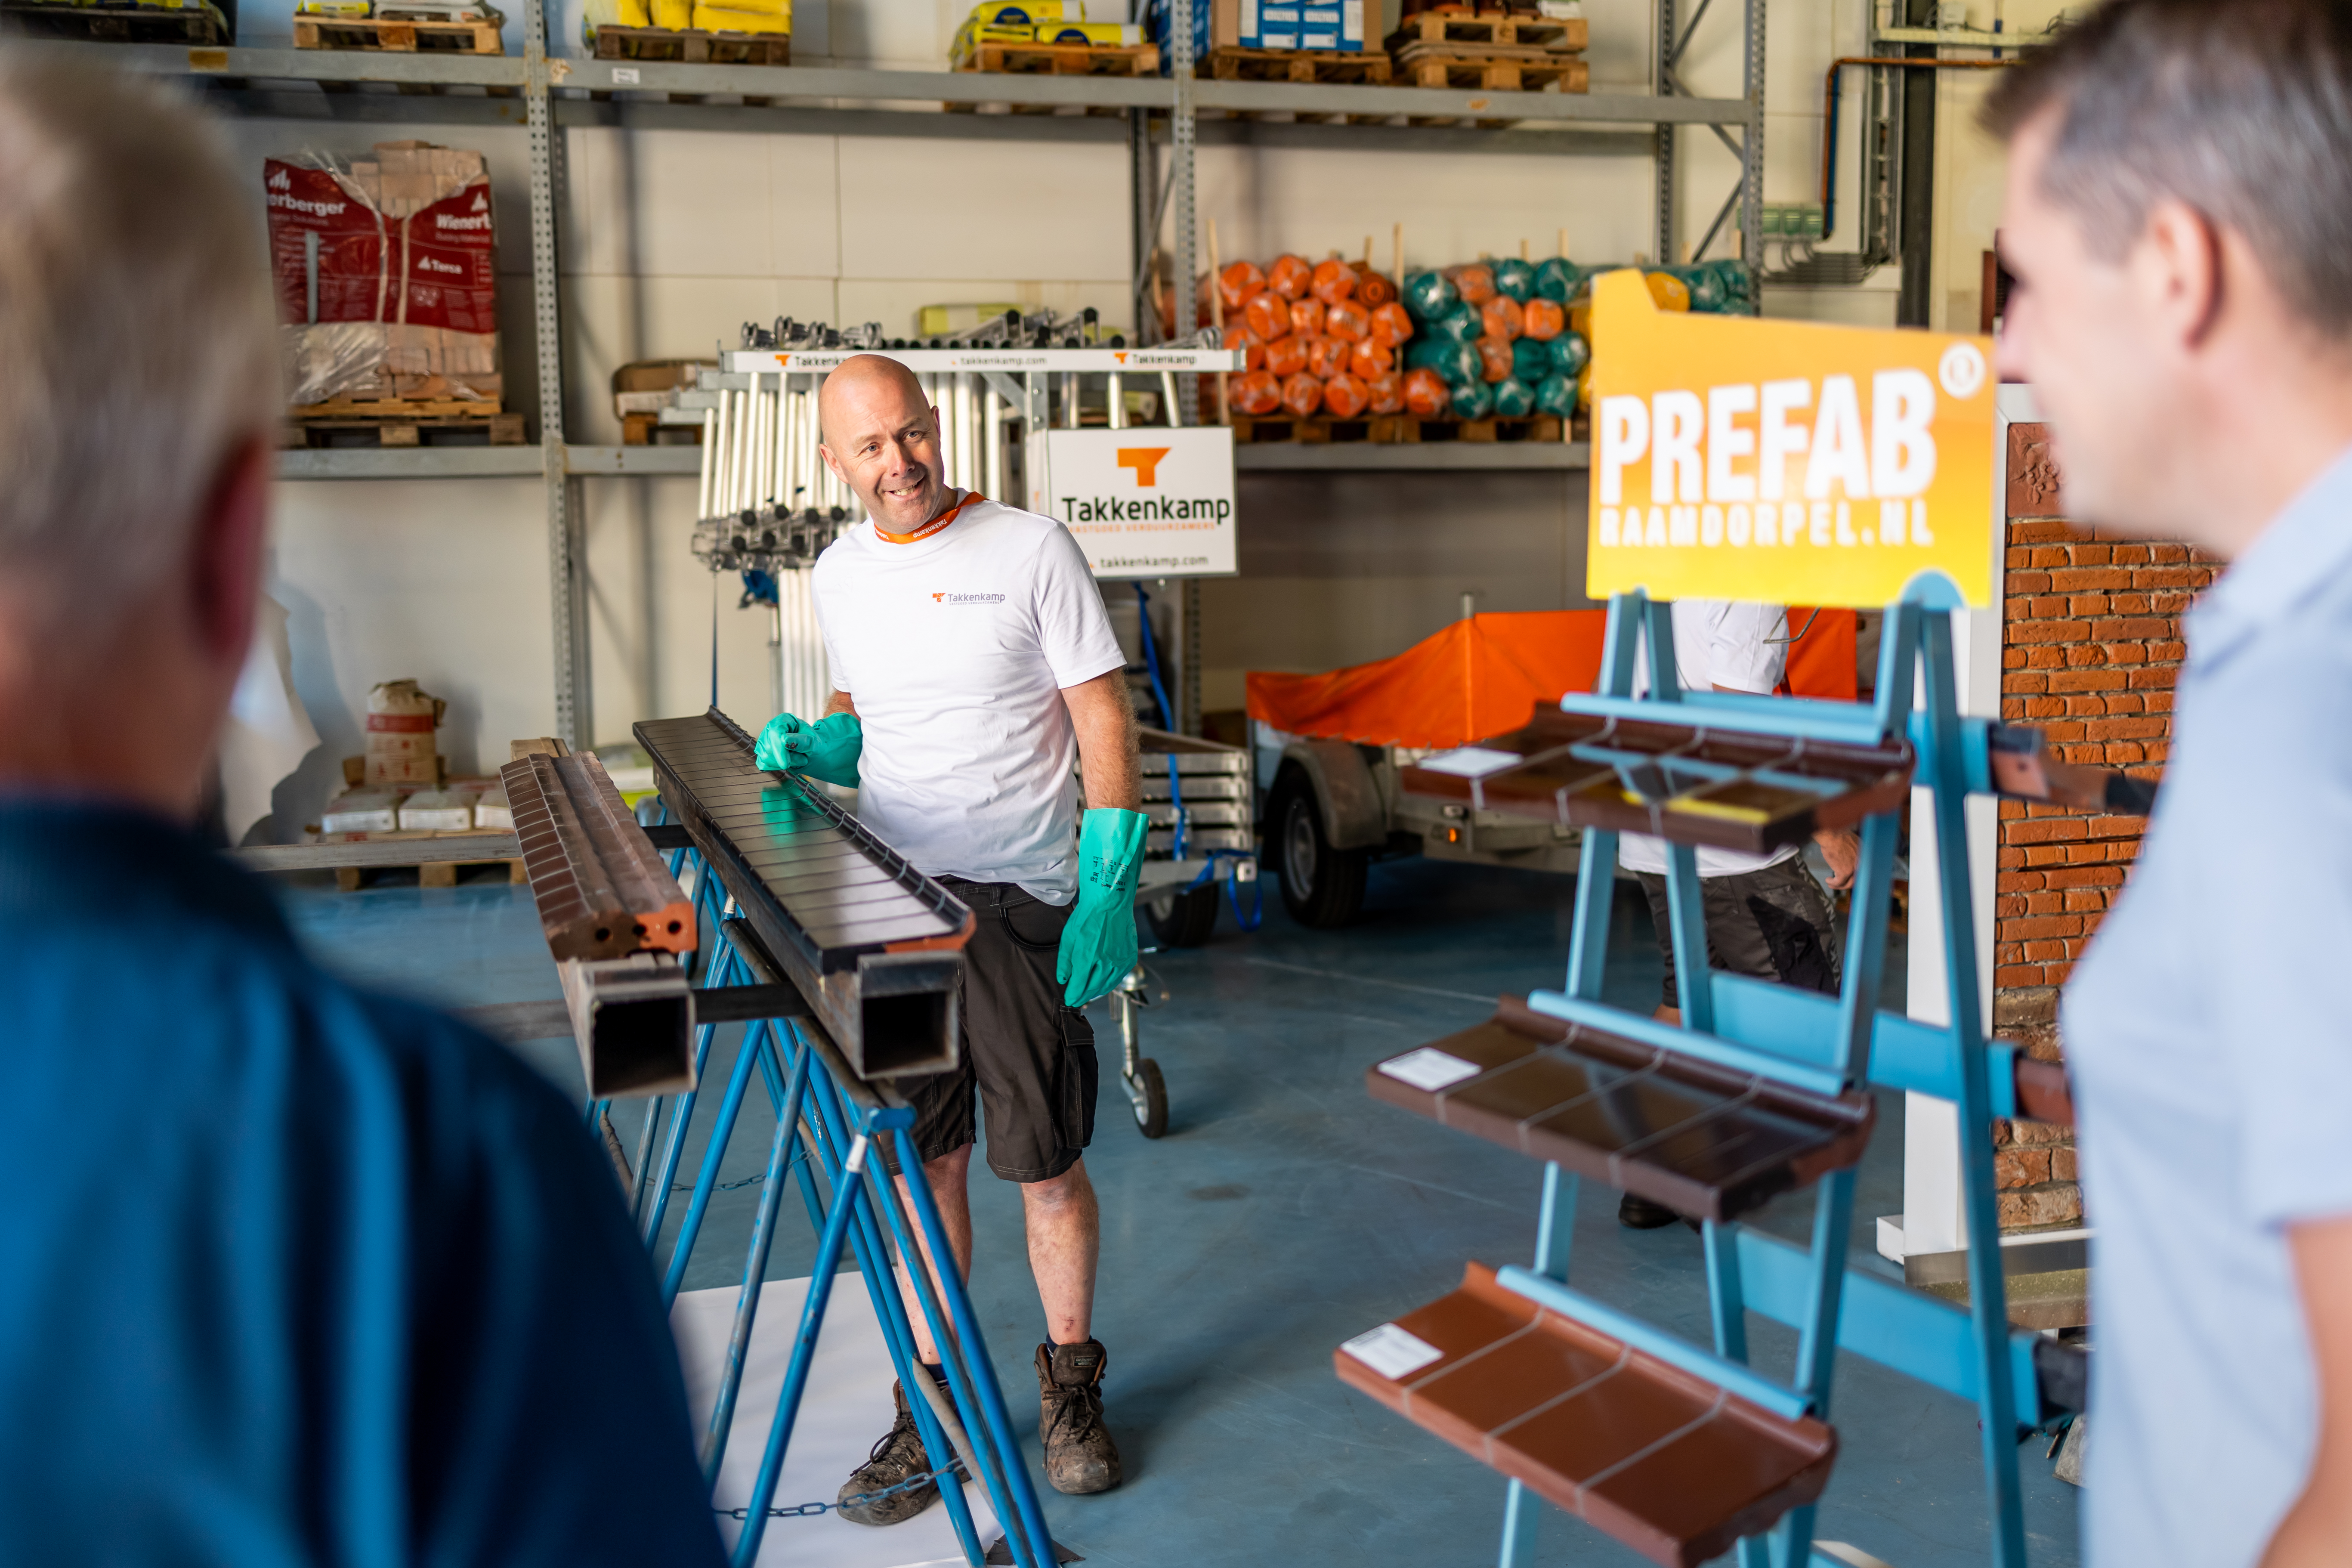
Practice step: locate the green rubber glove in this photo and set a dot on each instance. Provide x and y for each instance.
(825, 750)
(1098, 943)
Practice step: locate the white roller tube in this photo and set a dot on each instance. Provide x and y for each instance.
(991, 422)
(1117, 403)
(709, 445)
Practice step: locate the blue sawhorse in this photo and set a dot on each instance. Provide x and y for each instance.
(1803, 1047)
(828, 1126)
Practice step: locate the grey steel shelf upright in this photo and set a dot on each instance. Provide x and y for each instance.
(544, 93)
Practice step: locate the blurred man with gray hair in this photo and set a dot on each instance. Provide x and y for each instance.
(298, 1274)
(2179, 220)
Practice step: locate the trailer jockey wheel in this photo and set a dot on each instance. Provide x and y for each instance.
(1138, 1075)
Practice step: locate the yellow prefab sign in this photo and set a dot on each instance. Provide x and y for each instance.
(1782, 461)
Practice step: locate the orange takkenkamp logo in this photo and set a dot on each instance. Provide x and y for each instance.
(1145, 461)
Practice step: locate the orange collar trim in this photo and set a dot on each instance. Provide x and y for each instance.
(931, 527)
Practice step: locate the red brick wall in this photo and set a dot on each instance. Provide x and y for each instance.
(2091, 650)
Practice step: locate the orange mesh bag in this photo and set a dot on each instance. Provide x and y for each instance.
(1474, 282)
(1425, 394)
(1494, 359)
(1306, 317)
(1302, 394)
(1267, 315)
(1369, 359)
(1326, 356)
(1252, 346)
(1257, 393)
(1545, 318)
(1373, 289)
(1289, 277)
(1391, 324)
(1502, 318)
(1240, 283)
(1384, 393)
(1334, 281)
(1345, 397)
(1286, 357)
(1348, 319)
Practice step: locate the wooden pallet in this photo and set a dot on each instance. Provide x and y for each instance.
(368, 35)
(1344, 68)
(694, 46)
(1536, 427)
(1493, 70)
(115, 23)
(1492, 28)
(1065, 59)
(402, 422)
(1321, 430)
(429, 873)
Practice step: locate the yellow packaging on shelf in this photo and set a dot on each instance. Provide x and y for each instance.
(971, 34)
(1023, 13)
(757, 7)
(712, 19)
(674, 15)
(632, 14)
(1102, 34)
(347, 10)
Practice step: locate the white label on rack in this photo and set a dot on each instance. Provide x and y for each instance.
(1352, 28)
(1392, 1352)
(1429, 1069)
(1249, 24)
(1470, 761)
(625, 76)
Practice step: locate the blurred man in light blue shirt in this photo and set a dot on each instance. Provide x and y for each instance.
(2180, 223)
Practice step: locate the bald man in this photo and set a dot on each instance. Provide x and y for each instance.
(973, 665)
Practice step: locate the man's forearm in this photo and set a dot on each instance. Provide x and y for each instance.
(840, 702)
(1104, 719)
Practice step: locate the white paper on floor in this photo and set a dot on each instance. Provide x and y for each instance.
(847, 1407)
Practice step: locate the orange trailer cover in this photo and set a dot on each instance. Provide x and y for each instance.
(1484, 675)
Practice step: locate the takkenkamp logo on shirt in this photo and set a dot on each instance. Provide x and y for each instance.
(967, 599)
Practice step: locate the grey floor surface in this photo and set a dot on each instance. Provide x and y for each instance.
(1282, 1213)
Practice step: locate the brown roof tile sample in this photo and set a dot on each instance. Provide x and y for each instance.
(1758, 815)
(601, 887)
(1706, 1140)
(1671, 1465)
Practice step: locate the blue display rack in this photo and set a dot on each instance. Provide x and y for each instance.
(1820, 1044)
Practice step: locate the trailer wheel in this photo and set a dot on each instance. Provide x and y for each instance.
(1184, 919)
(1151, 1099)
(1321, 887)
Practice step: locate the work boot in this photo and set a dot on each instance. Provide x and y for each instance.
(1079, 1455)
(897, 1458)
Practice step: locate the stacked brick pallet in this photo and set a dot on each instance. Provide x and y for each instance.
(2091, 652)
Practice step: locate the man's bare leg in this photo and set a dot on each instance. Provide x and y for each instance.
(948, 1175)
(1064, 1225)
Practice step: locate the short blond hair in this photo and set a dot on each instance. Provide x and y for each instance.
(137, 332)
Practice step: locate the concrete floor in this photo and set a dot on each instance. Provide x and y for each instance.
(1285, 1212)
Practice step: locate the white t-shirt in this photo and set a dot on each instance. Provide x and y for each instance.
(956, 648)
(1717, 642)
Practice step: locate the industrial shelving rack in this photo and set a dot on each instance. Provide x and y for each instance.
(544, 92)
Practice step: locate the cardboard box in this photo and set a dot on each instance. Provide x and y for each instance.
(361, 811)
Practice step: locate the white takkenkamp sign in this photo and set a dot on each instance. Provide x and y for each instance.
(1145, 502)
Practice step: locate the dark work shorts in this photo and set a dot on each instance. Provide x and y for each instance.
(1777, 924)
(1031, 1058)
